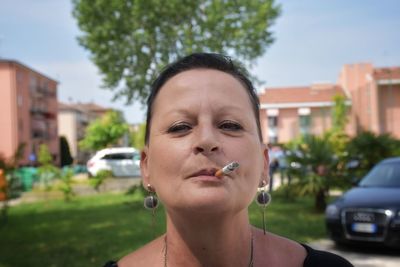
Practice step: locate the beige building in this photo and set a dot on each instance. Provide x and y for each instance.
(373, 96)
(72, 122)
(28, 111)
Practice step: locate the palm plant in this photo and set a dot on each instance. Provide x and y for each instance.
(313, 164)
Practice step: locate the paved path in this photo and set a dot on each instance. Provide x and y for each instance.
(362, 256)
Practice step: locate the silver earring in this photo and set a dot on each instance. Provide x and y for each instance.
(151, 201)
(263, 199)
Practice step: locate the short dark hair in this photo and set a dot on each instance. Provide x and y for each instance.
(203, 61)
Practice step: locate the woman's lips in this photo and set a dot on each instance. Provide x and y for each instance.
(205, 174)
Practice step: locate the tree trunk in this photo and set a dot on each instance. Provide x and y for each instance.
(320, 200)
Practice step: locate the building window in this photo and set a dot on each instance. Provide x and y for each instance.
(273, 139)
(273, 129)
(272, 117)
(272, 122)
(305, 124)
(304, 120)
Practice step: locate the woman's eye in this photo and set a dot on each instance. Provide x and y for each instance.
(230, 126)
(179, 128)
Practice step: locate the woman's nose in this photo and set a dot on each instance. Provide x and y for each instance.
(206, 141)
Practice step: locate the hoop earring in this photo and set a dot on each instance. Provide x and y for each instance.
(263, 199)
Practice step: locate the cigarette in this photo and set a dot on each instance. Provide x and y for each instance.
(227, 169)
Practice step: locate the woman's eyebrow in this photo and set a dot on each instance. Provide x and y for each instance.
(222, 110)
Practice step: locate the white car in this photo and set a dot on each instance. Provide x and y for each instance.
(121, 161)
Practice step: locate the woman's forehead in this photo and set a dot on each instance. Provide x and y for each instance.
(205, 85)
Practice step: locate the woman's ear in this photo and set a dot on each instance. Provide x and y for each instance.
(144, 168)
(265, 172)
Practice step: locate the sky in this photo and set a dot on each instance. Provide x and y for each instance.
(313, 40)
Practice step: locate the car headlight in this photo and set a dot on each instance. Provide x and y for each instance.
(332, 212)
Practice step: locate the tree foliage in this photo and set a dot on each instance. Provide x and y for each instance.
(66, 183)
(339, 113)
(137, 137)
(99, 179)
(104, 131)
(47, 171)
(337, 135)
(368, 149)
(130, 40)
(44, 157)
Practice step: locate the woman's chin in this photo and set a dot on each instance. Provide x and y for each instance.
(208, 200)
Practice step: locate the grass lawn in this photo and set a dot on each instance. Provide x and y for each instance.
(90, 230)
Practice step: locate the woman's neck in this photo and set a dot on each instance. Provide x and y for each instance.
(208, 241)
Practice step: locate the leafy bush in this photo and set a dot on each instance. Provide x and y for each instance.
(47, 171)
(97, 180)
(368, 149)
(66, 183)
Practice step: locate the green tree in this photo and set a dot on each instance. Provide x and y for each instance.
(137, 137)
(338, 138)
(339, 113)
(130, 40)
(65, 154)
(104, 131)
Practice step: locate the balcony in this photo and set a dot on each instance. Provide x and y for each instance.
(42, 92)
(43, 112)
(39, 134)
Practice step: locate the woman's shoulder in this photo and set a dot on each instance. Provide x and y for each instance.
(323, 258)
(286, 252)
(277, 250)
(150, 254)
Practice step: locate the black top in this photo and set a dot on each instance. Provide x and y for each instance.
(318, 258)
(315, 258)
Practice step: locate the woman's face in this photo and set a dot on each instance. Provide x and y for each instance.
(202, 119)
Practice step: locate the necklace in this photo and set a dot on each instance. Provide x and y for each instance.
(251, 260)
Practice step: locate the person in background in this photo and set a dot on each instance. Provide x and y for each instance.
(273, 165)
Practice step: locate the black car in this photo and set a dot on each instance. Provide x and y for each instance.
(370, 212)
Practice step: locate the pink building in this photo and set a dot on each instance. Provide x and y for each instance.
(373, 95)
(28, 111)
